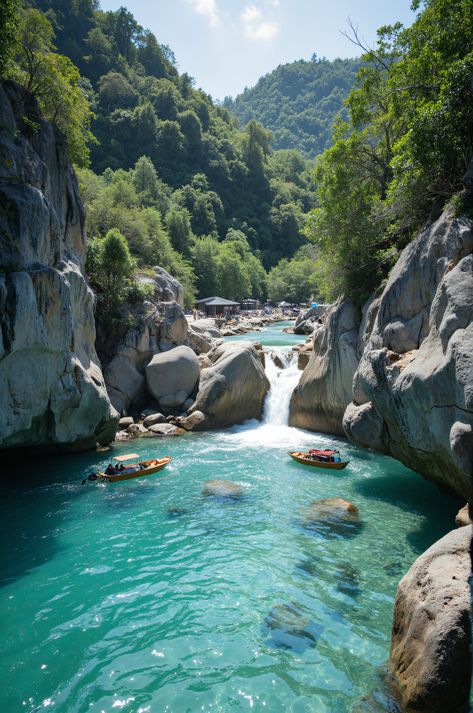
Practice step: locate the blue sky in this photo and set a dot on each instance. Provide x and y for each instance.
(228, 44)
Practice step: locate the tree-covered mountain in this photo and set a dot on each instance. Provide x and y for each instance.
(159, 161)
(298, 102)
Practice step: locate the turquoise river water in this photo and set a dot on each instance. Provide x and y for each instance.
(147, 596)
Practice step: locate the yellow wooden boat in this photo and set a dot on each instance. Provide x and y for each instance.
(319, 459)
(118, 471)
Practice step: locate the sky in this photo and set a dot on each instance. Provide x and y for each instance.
(227, 45)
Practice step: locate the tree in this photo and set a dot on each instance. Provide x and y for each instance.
(54, 81)
(8, 21)
(117, 263)
(179, 229)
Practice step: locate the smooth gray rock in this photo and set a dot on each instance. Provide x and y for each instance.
(418, 378)
(192, 421)
(431, 657)
(232, 390)
(163, 429)
(172, 376)
(51, 382)
(153, 419)
(325, 388)
(124, 422)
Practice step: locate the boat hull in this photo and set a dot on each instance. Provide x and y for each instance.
(300, 458)
(154, 466)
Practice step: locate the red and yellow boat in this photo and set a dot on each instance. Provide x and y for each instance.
(117, 470)
(318, 458)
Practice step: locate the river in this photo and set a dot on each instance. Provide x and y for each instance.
(148, 597)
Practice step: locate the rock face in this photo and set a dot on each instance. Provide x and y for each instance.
(166, 287)
(156, 327)
(172, 376)
(413, 389)
(325, 389)
(431, 658)
(232, 390)
(306, 321)
(53, 391)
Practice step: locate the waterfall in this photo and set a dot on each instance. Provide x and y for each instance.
(283, 383)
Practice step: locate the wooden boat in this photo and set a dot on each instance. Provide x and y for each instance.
(320, 458)
(118, 471)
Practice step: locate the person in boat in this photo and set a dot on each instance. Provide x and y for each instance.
(109, 469)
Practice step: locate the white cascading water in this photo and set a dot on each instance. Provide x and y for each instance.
(273, 430)
(283, 382)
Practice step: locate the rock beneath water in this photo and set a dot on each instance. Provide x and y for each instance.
(190, 422)
(172, 376)
(223, 489)
(51, 382)
(332, 516)
(177, 511)
(232, 390)
(431, 656)
(291, 628)
(325, 388)
(463, 517)
(153, 418)
(125, 422)
(348, 581)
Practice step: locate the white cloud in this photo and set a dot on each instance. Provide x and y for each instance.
(207, 8)
(257, 27)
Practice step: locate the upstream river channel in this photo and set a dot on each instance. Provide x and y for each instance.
(148, 597)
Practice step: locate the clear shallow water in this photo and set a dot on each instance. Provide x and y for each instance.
(271, 336)
(148, 596)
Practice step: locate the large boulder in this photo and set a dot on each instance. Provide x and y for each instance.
(325, 388)
(413, 389)
(53, 391)
(232, 390)
(307, 320)
(126, 359)
(172, 376)
(154, 327)
(166, 287)
(431, 654)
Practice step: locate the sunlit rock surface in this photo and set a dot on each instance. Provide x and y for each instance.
(53, 391)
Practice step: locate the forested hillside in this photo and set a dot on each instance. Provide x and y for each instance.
(160, 164)
(299, 102)
(402, 155)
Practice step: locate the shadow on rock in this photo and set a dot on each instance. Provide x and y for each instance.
(291, 628)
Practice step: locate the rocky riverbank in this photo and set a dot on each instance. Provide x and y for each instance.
(397, 375)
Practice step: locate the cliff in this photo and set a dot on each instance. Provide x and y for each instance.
(412, 391)
(53, 391)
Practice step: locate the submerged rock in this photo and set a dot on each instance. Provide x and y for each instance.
(223, 489)
(331, 516)
(291, 628)
(431, 656)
